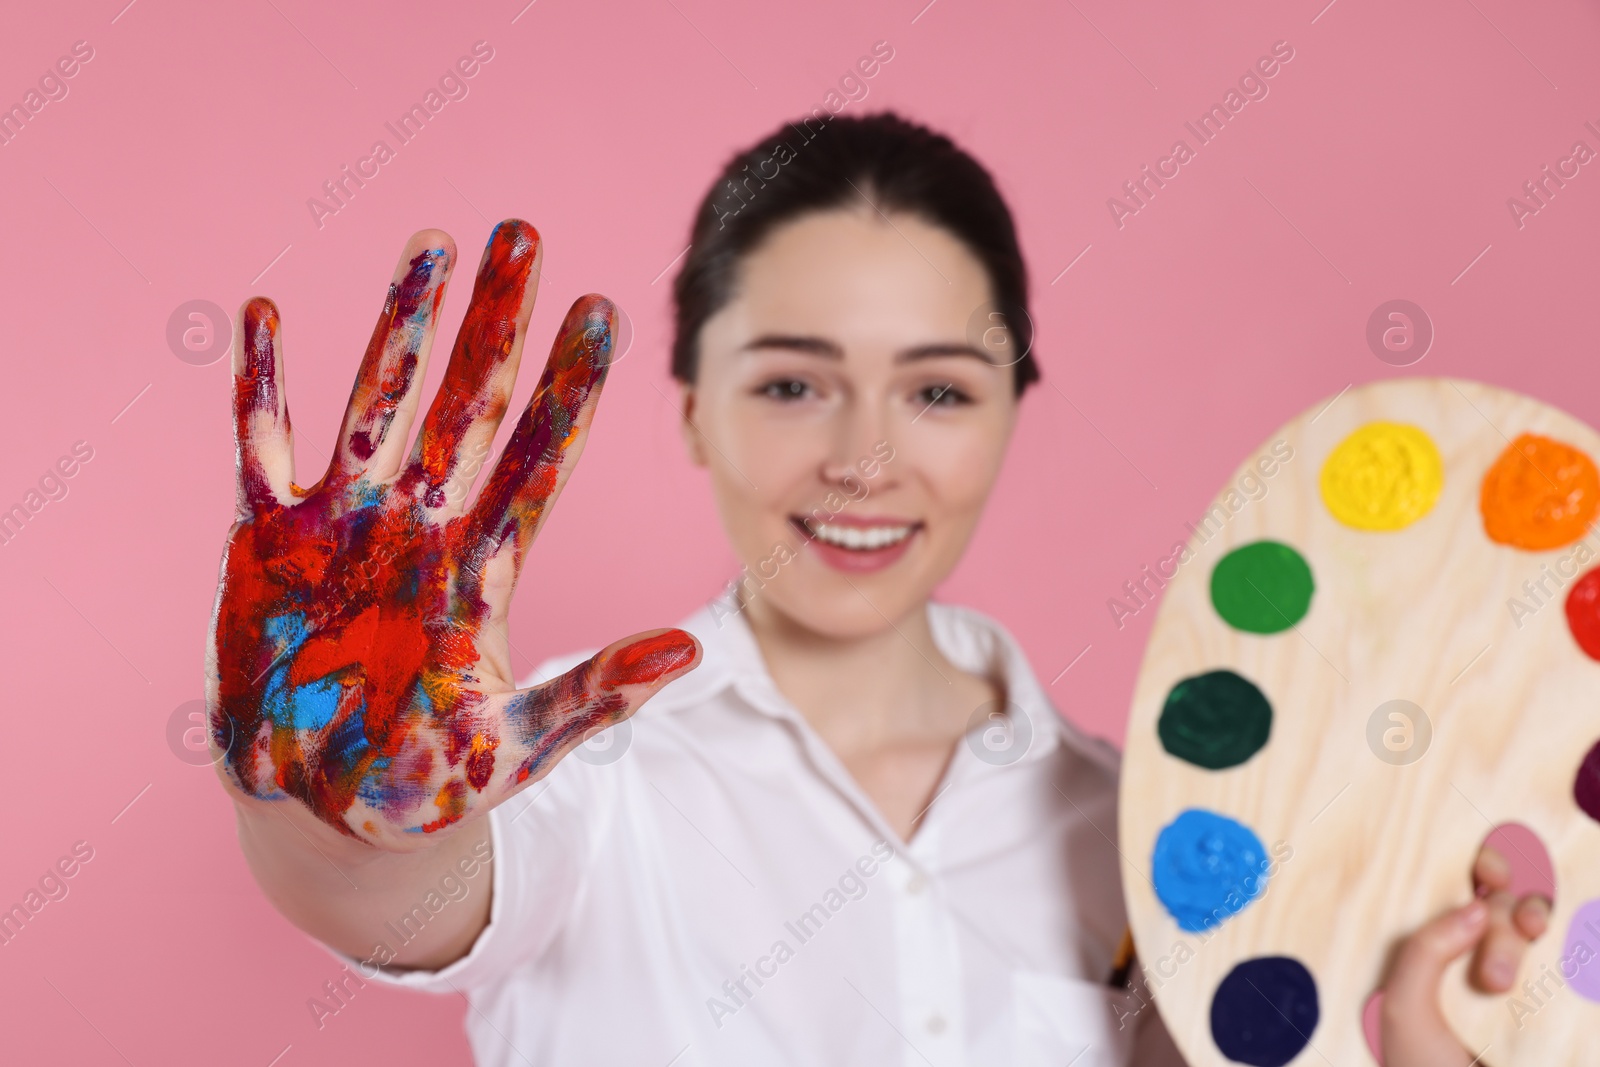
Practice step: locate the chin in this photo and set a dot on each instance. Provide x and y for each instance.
(845, 605)
(833, 616)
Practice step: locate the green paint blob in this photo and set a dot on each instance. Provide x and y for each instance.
(1263, 587)
(1215, 720)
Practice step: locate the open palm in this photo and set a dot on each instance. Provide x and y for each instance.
(358, 659)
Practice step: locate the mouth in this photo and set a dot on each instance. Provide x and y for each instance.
(857, 545)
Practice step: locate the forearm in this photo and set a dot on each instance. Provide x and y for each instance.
(351, 895)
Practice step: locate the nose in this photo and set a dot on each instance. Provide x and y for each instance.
(861, 427)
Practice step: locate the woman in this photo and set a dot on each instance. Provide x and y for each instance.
(850, 828)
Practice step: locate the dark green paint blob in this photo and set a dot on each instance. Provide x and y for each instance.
(1215, 720)
(1263, 587)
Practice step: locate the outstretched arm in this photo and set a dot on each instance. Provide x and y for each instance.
(359, 686)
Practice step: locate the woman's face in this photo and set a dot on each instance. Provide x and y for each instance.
(851, 429)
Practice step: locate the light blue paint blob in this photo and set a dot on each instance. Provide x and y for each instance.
(312, 706)
(1207, 867)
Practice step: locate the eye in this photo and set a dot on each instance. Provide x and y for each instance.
(785, 389)
(943, 395)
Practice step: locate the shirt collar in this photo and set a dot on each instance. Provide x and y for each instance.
(971, 640)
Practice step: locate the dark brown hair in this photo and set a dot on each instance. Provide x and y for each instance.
(827, 162)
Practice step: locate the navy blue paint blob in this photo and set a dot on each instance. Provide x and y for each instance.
(1206, 867)
(1264, 1012)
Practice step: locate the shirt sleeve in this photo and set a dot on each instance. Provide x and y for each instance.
(542, 840)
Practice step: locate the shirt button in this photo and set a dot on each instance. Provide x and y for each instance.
(936, 1024)
(916, 884)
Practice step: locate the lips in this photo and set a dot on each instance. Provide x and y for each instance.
(857, 544)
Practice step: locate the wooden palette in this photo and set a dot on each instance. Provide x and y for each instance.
(1368, 830)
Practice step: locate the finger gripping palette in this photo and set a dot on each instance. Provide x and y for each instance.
(1359, 672)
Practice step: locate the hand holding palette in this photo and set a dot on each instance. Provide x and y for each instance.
(1354, 681)
(358, 661)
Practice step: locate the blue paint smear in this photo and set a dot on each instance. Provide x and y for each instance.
(421, 701)
(1264, 1012)
(1207, 867)
(312, 706)
(362, 493)
(346, 745)
(298, 707)
(377, 789)
(288, 634)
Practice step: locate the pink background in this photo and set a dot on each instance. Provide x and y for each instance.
(178, 168)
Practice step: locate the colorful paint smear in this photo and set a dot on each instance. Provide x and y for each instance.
(352, 616)
(1206, 867)
(1539, 494)
(1384, 476)
(1215, 720)
(1262, 588)
(1264, 1012)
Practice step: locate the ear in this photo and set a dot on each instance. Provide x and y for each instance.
(693, 442)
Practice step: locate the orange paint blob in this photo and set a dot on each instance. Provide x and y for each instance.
(452, 804)
(1539, 494)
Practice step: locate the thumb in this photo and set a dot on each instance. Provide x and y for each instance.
(1425, 955)
(1415, 1032)
(547, 721)
(637, 666)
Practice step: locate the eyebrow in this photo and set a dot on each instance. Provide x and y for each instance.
(819, 346)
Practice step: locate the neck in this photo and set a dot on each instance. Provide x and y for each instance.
(866, 690)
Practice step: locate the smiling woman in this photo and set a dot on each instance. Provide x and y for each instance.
(852, 425)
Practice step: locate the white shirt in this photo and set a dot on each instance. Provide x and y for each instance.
(707, 885)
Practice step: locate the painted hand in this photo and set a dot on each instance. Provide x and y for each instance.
(358, 660)
(1496, 924)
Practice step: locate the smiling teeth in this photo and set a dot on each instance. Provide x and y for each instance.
(860, 537)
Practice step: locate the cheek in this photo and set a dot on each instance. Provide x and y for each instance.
(958, 466)
(762, 467)
(774, 449)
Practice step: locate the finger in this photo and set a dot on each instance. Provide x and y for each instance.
(385, 397)
(1491, 872)
(1532, 916)
(263, 442)
(483, 367)
(548, 439)
(546, 722)
(1494, 966)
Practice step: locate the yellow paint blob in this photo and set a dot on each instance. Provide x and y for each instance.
(1384, 476)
